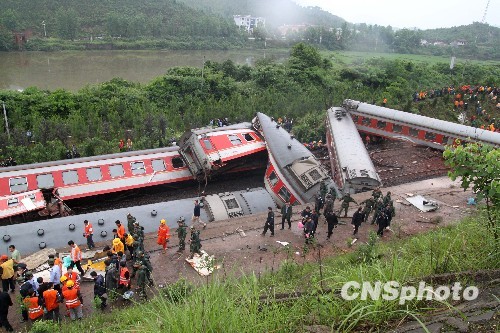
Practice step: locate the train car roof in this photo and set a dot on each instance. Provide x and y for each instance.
(350, 148)
(437, 125)
(289, 153)
(89, 159)
(207, 130)
(278, 139)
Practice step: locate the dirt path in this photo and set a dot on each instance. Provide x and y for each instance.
(244, 254)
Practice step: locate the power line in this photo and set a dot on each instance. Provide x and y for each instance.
(485, 11)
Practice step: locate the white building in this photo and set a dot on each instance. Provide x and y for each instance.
(248, 23)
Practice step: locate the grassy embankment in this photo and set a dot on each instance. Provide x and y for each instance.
(248, 304)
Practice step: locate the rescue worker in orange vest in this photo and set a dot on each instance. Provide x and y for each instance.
(57, 261)
(163, 235)
(51, 300)
(33, 303)
(76, 257)
(88, 233)
(384, 102)
(120, 230)
(74, 301)
(73, 276)
(124, 281)
(118, 246)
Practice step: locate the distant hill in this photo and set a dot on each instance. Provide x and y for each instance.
(473, 33)
(276, 12)
(70, 19)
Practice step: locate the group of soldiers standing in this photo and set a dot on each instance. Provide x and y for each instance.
(381, 206)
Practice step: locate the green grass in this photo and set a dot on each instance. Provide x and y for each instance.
(236, 305)
(350, 57)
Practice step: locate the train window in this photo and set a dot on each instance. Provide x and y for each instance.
(284, 194)
(231, 203)
(234, 139)
(430, 136)
(94, 174)
(208, 144)
(397, 128)
(158, 165)
(414, 132)
(381, 124)
(446, 140)
(116, 170)
(315, 175)
(12, 202)
(70, 177)
(45, 180)
(18, 184)
(354, 118)
(273, 179)
(32, 197)
(137, 168)
(366, 121)
(248, 137)
(177, 162)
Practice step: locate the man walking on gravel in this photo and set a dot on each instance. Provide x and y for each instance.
(196, 214)
(269, 222)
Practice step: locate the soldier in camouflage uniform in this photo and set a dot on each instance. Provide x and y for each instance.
(379, 206)
(130, 223)
(142, 280)
(328, 208)
(367, 209)
(377, 193)
(181, 233)
(345, 203)
(195, 242)
(138, 238)
(387, 199)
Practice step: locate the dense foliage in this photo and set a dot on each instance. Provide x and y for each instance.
(43, 124)
(112, 18)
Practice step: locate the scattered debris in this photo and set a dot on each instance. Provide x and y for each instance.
(422, 203)
(471, 201)
(283, 243)
(203, 264)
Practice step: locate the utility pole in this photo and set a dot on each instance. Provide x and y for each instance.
(44, 31)
(6, 120)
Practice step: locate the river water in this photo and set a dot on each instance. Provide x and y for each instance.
(73, 70)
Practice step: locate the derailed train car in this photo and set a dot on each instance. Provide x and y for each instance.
(352, 168)
(213, 151)
(55, 233)
(394, 124)
(293, 173)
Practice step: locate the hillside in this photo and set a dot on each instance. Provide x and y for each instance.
(117, 18)
(276, 13)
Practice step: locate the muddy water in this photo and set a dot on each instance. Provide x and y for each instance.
(73, 70)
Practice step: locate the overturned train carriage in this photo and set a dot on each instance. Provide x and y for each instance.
(293, 173)
(431, 132)
(55, 233)
(352, 168)
(213, 151)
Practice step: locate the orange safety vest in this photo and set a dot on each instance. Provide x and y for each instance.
(76, 254)
(120, 231)
(123, 280)
(75, 277)
(34, 309)
(163, 234)
(71, 297)
(58, 262)
(88, 229)
(50, 297)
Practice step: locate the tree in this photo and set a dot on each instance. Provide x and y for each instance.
(67, 25)
(478, 166)
(6, 39)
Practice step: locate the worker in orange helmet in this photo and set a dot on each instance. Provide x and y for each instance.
(163, 235)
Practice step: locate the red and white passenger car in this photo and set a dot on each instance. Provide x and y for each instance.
(87, 176)
(394, 124)
(212, 151)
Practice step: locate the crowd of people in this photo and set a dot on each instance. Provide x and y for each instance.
(472, 100)
(381, 206)
(127, 265)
